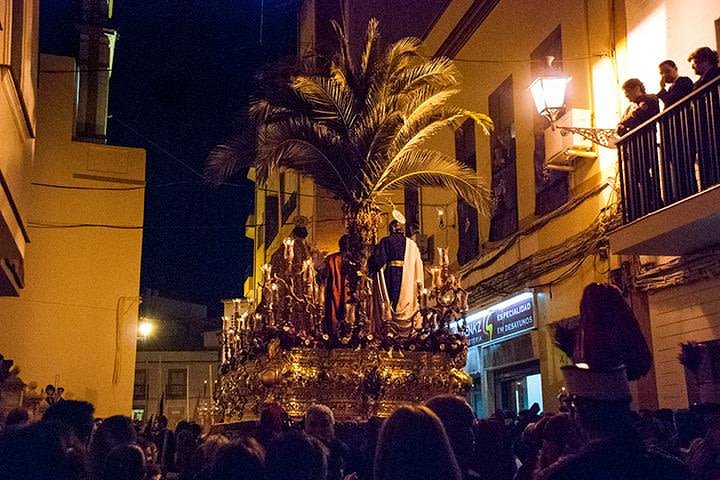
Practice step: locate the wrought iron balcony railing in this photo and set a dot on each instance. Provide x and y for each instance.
(673, 155)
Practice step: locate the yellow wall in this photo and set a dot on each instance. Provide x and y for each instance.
(81, 296)
(17, 133)
(501, 47)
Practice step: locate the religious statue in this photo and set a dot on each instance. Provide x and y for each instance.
(398, 269)
(334, 276)
(290, 261)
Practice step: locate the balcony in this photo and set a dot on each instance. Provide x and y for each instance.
(670, 179)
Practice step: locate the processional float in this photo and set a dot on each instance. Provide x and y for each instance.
(281, 350)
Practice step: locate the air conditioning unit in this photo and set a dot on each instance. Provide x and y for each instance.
(562, 150)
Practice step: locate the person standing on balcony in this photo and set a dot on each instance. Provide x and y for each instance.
(679, 86)
(643, 107)
(704, 62)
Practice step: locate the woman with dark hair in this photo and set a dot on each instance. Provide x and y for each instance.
(241, 460)
(124, 462)
(112, 432)
(413, 445)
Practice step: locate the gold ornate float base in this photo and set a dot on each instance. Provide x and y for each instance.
(355, 383)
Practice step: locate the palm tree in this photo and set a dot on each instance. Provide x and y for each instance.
(358, 129)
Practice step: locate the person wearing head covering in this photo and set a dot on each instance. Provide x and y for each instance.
(398, 267)
(609, 349)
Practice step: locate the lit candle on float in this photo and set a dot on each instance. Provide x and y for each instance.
(436, 273)
(289, 252)
(266, 271)
(443, 254)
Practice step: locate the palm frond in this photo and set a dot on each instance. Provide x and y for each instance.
(413, 134)
(440, 72)
(329, 100)
(433, 168)
(373, 33)
(235, 154)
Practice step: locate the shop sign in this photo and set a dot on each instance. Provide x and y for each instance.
(503, 320)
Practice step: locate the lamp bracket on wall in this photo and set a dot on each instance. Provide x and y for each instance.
(605, 137)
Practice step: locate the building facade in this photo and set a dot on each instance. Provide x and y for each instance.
(18, 128)
(74, 323)
(554, 208)
(182, 379)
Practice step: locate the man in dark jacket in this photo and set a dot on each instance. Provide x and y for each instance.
(642, 108)
(679, 86)
(704, 62)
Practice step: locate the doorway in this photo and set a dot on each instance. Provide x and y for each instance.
(517, 388)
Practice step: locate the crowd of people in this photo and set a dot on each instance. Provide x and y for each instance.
(440, 440)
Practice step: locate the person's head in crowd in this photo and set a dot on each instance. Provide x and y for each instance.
(76, 414)
(59, 393)
(205, 454)
(196, 430)
(703, 60)
(558, 438)
(634, 89)
(152, 472)
(668, 71)
(161, 422)
(17, 416)
(493, 457)
(124, 462)
(458, 420)
(47, 450)
(602, 419)
(181, 425)
(148, 446)
(241, 460)
(320, 422)
(112, 432)
(413, 445)
(271, 422)
(186, 444)
(296, 456)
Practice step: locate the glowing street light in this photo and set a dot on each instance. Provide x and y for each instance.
(145, 328)
(549, 95)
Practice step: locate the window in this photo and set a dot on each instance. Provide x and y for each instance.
(271, 219)
(140, 387)
(412, 207)
(504, 219)
(551, 186)
(289, 198)
(177, 383)
(17, 40)
(467, 224)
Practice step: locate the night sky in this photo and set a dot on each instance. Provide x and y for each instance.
(183, 70)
